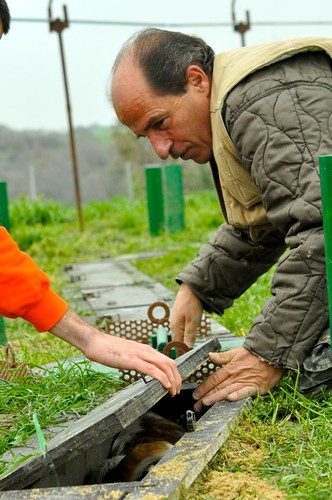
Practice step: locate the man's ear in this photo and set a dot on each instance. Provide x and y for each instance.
(198, 79)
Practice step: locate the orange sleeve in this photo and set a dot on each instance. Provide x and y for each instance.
(25, 289)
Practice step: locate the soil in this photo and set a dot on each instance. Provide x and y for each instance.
(240, 485)
(219, 481)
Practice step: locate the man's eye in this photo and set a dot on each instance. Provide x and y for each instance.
(161, 124)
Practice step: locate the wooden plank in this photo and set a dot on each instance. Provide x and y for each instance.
(175, 472)
(104, 422)
(94, 492)
(183, 464)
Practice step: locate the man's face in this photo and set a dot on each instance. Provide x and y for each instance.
(176, 125)
(1, 28)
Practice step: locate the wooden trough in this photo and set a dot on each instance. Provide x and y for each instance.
(77, 449)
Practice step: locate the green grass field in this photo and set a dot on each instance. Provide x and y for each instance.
(281, 447)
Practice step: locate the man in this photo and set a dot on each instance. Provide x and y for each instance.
(262, 117)
(25, 292)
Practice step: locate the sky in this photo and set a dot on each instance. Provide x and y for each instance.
(31, 81)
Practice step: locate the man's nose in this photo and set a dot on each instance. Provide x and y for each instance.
(161, 145)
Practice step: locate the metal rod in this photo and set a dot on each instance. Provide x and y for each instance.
(58, 26)
(72, 137)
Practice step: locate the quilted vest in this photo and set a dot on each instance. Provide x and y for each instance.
(239, 196)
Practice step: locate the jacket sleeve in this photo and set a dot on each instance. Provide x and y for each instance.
(279, 122)
(25, 289)
(228, 264)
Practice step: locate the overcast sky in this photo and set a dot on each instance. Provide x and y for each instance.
(32, 90)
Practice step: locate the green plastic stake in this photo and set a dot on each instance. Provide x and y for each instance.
(4, 221)
(4, 210)
(3, 337)
(155, 198)
(174, 198)
(160, 339)
(325, 168)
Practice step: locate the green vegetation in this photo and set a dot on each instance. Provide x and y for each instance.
(57, 395)
(284, 440)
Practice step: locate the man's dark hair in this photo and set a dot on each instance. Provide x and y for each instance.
(164, 57)
(5, 16)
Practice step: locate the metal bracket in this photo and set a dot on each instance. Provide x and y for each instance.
(241, 27)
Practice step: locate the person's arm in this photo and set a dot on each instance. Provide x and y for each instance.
(25, 292)
(114, 351)
(25, 289)
(223, 269)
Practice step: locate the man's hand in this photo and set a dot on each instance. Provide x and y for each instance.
(186, 316)
(242, 375)
(118, 352)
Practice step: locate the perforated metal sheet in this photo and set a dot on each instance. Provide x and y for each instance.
(141, 331)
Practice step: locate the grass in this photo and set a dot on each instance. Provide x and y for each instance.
(60, 394)
(284, 441)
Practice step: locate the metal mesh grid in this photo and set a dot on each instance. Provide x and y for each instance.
(141, 331)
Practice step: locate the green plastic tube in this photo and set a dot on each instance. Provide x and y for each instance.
(155, 199)
(4, 221)
(325, 168)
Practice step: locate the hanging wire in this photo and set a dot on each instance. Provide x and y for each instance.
(174, 25)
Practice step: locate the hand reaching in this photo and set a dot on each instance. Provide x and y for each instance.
(118, 352)
(243, 374)
(186, 316)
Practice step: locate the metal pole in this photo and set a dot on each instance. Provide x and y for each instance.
(58, 26)
(325, 168)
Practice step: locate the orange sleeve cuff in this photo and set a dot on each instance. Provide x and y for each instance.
(49, 310)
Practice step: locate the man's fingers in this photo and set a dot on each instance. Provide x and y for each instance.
(167, 376)
(188, 335)
(233, 392)
(177, 333)
(189, 338)
(222, 358)
(212, 383)
(245, 392)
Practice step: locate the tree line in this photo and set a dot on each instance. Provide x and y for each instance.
(110, 161)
